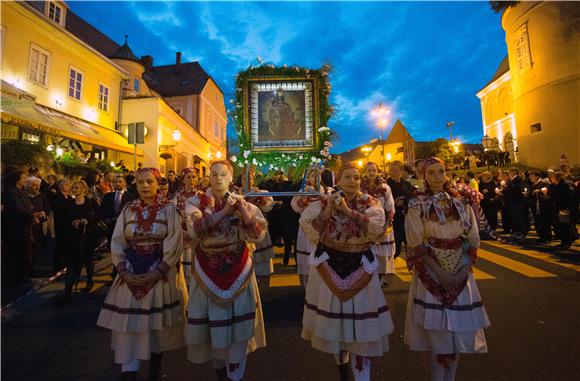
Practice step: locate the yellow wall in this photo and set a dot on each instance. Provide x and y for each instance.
(375, 155)
(212, 106)
(547, 92)
(161, 120)
(25, 26)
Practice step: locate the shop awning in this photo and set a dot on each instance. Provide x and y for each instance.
(28, 114)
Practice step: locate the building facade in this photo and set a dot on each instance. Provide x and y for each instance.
(531, 105)
(399, 145)
(68, 85)
(57, 89)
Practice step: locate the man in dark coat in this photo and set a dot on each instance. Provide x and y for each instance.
(17, 218)
(114, 202)
(401, 190)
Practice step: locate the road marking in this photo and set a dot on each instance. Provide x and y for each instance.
(536, 255)
(510, 264)
(401, 270)
(481, 275)
(284, 280)
(278, 261)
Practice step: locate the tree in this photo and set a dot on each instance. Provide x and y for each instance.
(500, 6)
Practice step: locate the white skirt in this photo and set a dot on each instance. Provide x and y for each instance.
(429, 326)
(303, 250)
(386, 254)
(360, 325)
(263, 257)
(213, 332)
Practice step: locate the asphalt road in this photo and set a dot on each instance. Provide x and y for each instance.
(532, 298)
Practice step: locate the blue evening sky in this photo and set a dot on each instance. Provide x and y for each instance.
(425, 60)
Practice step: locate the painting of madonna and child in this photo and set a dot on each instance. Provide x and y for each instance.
(282, 115)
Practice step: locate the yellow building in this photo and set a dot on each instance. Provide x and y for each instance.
(399, 145)
(531, 105)
(67, 84)
(56, 88)
(174, 101)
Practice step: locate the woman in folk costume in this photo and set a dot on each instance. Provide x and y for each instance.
(264, 253)
(225, 313)
(445, 314)
(303, 245)
(377, 187)
(145, 307)
(345, 309)
(188, 190)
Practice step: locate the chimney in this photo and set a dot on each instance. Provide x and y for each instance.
(178, 58)
(148, 61)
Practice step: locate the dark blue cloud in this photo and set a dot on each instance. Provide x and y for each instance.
(425, 60)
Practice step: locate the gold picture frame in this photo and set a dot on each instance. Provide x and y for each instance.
(281, 113)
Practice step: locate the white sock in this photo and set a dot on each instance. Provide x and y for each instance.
(364, 374)
(236, 371)
(219, 364)
(132, 366)
(438, 371)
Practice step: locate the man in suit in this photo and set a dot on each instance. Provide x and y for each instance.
(114, 202)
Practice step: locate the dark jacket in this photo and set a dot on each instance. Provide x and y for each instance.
(58, 204)
(560, 195)
(513, 194)
(16, 215)
(108, 205)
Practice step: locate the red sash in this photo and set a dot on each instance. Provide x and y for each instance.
(223, 269)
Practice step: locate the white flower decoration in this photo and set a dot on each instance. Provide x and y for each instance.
(233, 159)
(246, 153)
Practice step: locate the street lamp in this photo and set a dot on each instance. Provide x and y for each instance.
(450, 126)
(366, 150)
(380, 113)
(176, 135)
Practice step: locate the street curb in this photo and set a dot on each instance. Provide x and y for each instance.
(11, 310)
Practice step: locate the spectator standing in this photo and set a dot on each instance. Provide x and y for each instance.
(514, 199)
(58, 204)
(400, 189)
(540, 206)
(472, 183)
(81, 216)
(489, 204)
(17, 219)
(561, 197)
(40, 228)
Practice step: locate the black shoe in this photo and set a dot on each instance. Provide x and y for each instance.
(88, 287)
(129, 376)
(344, 370)
(222, 374)
(286, 259)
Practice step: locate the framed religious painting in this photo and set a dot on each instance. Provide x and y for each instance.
(281, 114)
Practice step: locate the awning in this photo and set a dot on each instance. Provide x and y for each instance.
(31, 115)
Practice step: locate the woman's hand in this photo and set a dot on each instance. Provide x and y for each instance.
(461, 276)
(131, 279)
(343, 207)
(149, 278)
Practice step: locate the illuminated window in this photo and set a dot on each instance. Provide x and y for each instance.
(38, 65)
(75, 83)
(136, 85)
(103, 97)
(55, 12)
(522, 45)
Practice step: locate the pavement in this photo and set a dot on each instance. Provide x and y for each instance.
(530, 293)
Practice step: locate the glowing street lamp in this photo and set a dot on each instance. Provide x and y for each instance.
(359, 163)
(366, 150)
(380, 113)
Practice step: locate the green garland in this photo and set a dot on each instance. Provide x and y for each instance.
(275, 160)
